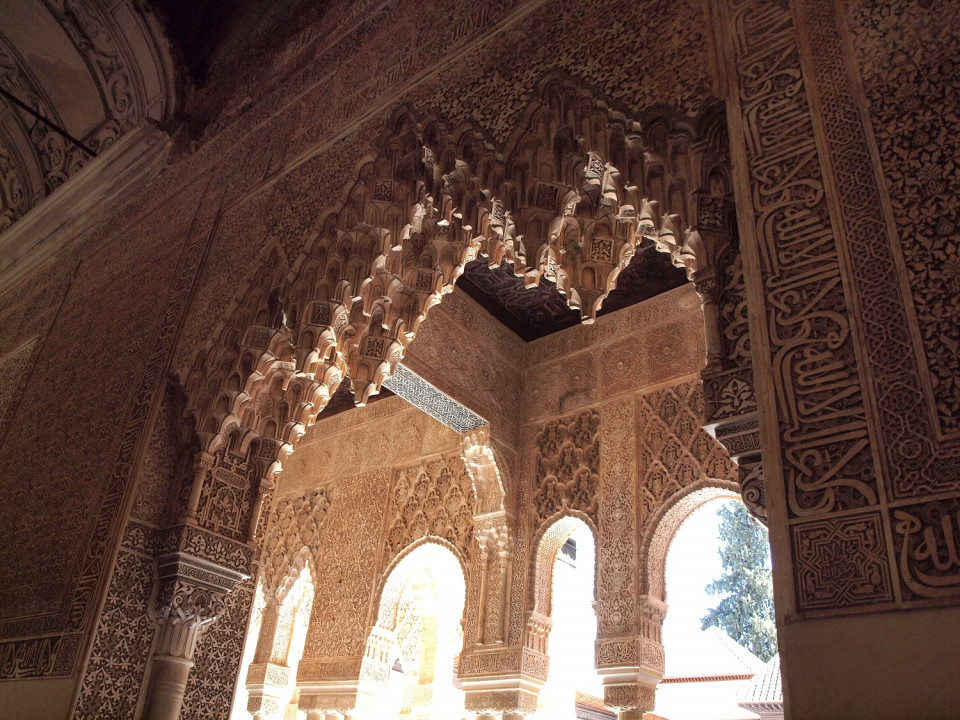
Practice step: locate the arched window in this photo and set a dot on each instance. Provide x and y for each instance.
(410, 658)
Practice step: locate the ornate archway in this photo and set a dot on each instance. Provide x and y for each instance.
(419, 615)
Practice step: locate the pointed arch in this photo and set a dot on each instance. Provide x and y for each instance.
(664, 524)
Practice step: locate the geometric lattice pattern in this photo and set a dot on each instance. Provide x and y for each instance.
(421, 394)
(675, 450)
(841, 562)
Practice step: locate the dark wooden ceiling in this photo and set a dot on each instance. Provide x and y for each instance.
(533, 313)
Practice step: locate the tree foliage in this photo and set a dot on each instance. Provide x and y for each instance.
(745, 610)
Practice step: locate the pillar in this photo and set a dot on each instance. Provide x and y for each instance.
(631, 667)
(191, 595)
(860, 473)
(183, 611)
(499, 680)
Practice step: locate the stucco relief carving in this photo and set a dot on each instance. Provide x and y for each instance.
(56, 158)
(617, 530)
(14, 369)
(812, 348)
(482, 466)
(76, 614)
(918, 435)
(335, 264)
(117, 664)
(629, 698)
(827, 580)
(926, 543)
(490, 608)
(493, 582)
(14, 187)
(916, 458)
(674, 450)
(217, 659)
(355, 297)
(634, 76)
(285, 618)
(347, 572)
(295, 526)
(216, 506)
(912, 117)
(431, 498)
(113, 57)
(568, 466)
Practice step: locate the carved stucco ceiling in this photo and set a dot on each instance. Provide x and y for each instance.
(94, 69)
(535, 312)
(532, 313)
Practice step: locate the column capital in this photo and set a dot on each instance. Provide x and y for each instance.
(629, 700)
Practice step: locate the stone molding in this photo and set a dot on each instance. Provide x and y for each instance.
(62, 218)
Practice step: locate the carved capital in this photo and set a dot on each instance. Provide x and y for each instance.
(629, 698)
(705, 283)
(492, 534)
(266, 685)
(652, 613)
(262, 707)
(537, 632)
(191, 594)
(182, 611)
(636, 657)
(508, 702)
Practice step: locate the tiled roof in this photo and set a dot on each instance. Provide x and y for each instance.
(588, 700)
(765, 687)
(713, 655)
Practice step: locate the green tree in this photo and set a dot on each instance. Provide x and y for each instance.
(745, 610)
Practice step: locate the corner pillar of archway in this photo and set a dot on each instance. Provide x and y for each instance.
(334, 691)
(631, 666)
(499, 680)
(191, 595)
(268, 677)
(210, 548)
(710, 254)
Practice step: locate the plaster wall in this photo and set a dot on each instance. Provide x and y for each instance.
(871, 666)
